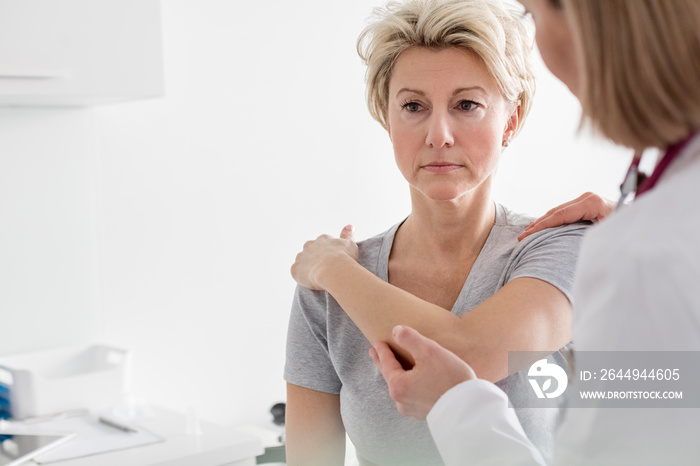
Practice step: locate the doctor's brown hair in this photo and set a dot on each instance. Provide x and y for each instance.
(639, 68)
(489, 29)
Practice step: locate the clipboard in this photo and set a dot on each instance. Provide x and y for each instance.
(17, 447)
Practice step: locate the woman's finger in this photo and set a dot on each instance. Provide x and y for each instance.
(347, 233)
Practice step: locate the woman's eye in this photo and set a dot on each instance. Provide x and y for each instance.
(412, 107)
(467, 105)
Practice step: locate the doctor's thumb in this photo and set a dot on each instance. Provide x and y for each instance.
(412, 341)
(347, 233)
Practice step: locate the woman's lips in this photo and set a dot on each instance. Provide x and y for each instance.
(441, 167)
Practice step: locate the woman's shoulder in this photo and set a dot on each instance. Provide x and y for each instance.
(375, 248)
(508, 218)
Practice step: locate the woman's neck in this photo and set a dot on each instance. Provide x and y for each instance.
(449, 230)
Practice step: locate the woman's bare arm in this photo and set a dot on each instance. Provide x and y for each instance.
(527, 314)
(314, 429)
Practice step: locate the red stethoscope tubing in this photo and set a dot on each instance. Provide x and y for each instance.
(629, 185)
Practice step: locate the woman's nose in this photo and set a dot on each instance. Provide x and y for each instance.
(439, 131)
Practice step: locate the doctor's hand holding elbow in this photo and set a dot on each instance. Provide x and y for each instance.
(435, 371)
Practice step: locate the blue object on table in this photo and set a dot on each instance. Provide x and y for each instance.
(4, 402)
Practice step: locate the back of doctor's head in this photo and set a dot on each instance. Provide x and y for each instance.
(493, 30)
(639, 72)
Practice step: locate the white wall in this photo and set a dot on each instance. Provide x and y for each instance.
(47, 262)
(199, 201)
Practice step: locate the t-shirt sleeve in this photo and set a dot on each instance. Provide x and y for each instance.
(549, 255)
(308, 362)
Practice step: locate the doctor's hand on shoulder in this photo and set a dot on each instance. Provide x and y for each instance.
(586, 207)
(319, 253)
(436, 370)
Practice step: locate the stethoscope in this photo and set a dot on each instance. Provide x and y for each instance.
(638, 183)
(631, 181)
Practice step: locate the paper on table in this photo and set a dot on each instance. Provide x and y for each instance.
(93, 437)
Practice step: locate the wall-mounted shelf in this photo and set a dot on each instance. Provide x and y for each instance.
(79, 52)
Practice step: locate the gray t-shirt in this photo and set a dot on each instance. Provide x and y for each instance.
(327, 352)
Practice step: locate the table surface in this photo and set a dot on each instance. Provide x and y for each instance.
(214, 446)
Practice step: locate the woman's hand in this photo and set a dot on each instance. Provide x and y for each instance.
(436, 370)
(588, 206)
(308, 266)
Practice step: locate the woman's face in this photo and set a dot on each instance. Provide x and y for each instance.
(554, 41)
(447, 120)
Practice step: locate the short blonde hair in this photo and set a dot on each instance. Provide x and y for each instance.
(639, 66)
(494, 32)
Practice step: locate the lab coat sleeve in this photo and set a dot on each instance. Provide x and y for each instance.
(472, 423)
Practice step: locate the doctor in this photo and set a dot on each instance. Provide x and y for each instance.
(635, 67)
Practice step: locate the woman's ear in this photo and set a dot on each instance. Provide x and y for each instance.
(512, 124)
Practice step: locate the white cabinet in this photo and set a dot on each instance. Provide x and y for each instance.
(79, 52)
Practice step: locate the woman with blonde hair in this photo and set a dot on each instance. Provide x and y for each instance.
(635, 67)
(451, 81)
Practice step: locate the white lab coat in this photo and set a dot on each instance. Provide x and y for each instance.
(637, 288)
